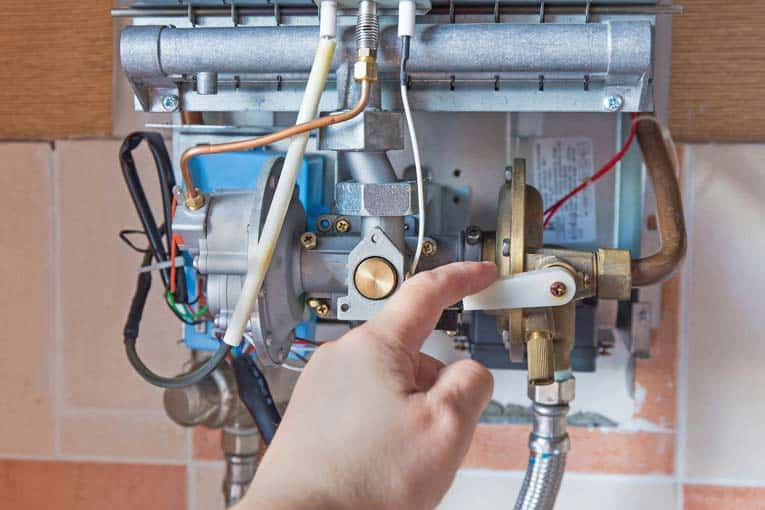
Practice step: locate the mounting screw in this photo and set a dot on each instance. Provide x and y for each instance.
(613, 103)
(342, 225)
(473, 235)
(429, 247)
(558, 289)
(322, 310)
(308, 240)
(320, 307)
(170, 103)
(508, 173)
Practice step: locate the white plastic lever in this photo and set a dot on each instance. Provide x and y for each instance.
(532, 289)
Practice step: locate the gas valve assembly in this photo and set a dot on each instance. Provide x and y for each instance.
(322, 153)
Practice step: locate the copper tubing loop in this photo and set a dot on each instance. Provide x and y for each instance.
(669, 209)
(193, 195)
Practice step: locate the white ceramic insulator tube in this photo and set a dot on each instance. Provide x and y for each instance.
(328, 19)
(260, 258)
(407, 10)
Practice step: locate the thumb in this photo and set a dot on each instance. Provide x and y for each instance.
(464, 388)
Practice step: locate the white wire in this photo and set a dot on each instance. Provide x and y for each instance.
(420, 180)
(290, 367)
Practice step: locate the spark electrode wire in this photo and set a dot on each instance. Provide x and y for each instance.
(406, 21)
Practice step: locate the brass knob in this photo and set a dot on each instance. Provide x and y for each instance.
(375, 278)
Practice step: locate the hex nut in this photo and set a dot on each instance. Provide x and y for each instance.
(614, 274)
(365, 70)
(308, 240)
(556, 393)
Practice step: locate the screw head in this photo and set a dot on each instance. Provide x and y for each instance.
(342, 225)
(429, 248)
(170, 103)
(322, 310)
(558, 289)
(613, 103)
(508, 173)
(308, 240)
(473, 235)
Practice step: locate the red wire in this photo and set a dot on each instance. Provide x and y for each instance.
(550, 211)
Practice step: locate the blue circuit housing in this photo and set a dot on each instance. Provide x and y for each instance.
(240, 170)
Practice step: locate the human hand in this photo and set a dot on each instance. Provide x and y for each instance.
(373, 423)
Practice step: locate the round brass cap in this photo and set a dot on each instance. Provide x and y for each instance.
(375, 278)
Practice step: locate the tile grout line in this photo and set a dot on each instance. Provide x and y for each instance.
(55, 276)
(682, 341)
(191, 502)
(95, 459)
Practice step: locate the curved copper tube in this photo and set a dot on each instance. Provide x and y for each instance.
(192, 193)
(669, 209)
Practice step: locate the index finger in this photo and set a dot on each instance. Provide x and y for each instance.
(413, 311)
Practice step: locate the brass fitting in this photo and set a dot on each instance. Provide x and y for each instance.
(194, 200)
(308, 241)
(365, 68)
(614, 274)
(539, 348)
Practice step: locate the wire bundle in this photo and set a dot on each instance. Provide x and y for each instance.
(174, 281)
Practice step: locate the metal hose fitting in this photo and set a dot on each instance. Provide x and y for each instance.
(367, 34)
(367, 27)
(548, 444)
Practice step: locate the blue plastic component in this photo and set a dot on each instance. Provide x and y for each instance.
(240, 170)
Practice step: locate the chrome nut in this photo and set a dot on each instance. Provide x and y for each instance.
(556, 393)
(614, 274)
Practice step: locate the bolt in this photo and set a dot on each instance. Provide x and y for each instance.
(313, 303)
(613, 103)
(322, 310)
(508, 173)
(170, 103)
(308, 240)
(473, 235)
(429, 247)
(342, 225)
(558, 289)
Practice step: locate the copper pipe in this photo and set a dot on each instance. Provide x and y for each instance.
(191, 118)
(194, 198)
(669, 209)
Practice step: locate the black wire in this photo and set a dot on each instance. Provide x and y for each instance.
(256, 396)
(166, 181)
(300, 357)
(130, 336)
(405, 43)
(124, 236)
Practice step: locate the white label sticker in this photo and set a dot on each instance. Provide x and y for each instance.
(559, 165)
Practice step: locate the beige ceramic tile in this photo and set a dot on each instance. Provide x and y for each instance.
(710, 497)
(207, 490)
(725, 320)
(123, 435)
(26, 341)
(26, 485)
(98, 280)
(505, 447)
(480, 490)
(206, 444)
